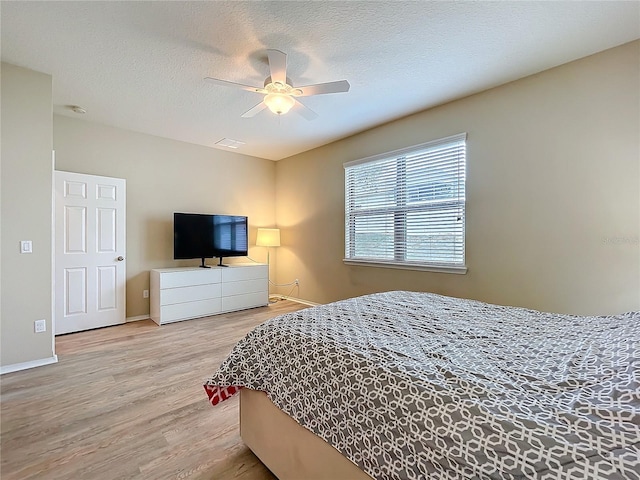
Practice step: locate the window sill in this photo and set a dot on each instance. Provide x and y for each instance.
(461, 270)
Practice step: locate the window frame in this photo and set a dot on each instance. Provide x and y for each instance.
(400, 209)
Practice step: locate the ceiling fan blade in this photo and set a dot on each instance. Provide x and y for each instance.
(278, 66)
(321, 88)
(305, 111)
(226, 83)
(253, 111)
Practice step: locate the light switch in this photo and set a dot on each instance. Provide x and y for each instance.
(26, 246)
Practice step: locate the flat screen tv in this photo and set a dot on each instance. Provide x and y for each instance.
(203, 236)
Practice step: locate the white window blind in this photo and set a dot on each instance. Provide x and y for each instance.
(407, 207)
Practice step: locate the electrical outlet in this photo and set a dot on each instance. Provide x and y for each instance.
(26, 246)
(297, 282)
(145, 294)
(40, 326)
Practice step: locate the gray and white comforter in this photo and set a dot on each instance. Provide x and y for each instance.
(415, 385)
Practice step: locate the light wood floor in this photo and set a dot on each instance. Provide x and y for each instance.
(127, 402)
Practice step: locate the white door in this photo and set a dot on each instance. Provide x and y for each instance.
(90, 252)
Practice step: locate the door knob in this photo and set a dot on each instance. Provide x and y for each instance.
(120, 258)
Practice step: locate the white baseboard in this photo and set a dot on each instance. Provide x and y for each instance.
(16, 367)
(294, 299)
(137, 318)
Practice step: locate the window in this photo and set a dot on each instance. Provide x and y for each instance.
(405, 209)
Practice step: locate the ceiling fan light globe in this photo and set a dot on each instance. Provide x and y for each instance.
(278, 103)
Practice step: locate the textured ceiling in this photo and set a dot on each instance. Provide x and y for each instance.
(140, 65)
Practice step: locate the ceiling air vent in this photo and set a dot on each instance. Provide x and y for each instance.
(229, 143)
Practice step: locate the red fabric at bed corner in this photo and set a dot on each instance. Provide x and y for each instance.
(218, 394)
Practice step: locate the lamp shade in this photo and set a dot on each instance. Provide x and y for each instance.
(279, 103)
(268, 237)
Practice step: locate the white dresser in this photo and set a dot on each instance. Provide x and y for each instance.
(192, 292)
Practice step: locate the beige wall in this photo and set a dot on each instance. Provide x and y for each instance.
(553, 214)
(26, 215)
(166, 176)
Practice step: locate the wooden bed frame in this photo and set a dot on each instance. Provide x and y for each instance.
(288, 449)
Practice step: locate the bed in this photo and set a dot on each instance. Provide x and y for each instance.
(410, 385)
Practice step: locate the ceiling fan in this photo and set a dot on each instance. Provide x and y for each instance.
(279, 93)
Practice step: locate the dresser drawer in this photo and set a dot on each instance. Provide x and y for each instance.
(244, 286)
(183, 311)
(170, 296)
(247, 300)
(189, 278)
(234, 274)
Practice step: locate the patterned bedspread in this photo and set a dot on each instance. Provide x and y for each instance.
(415, 385)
